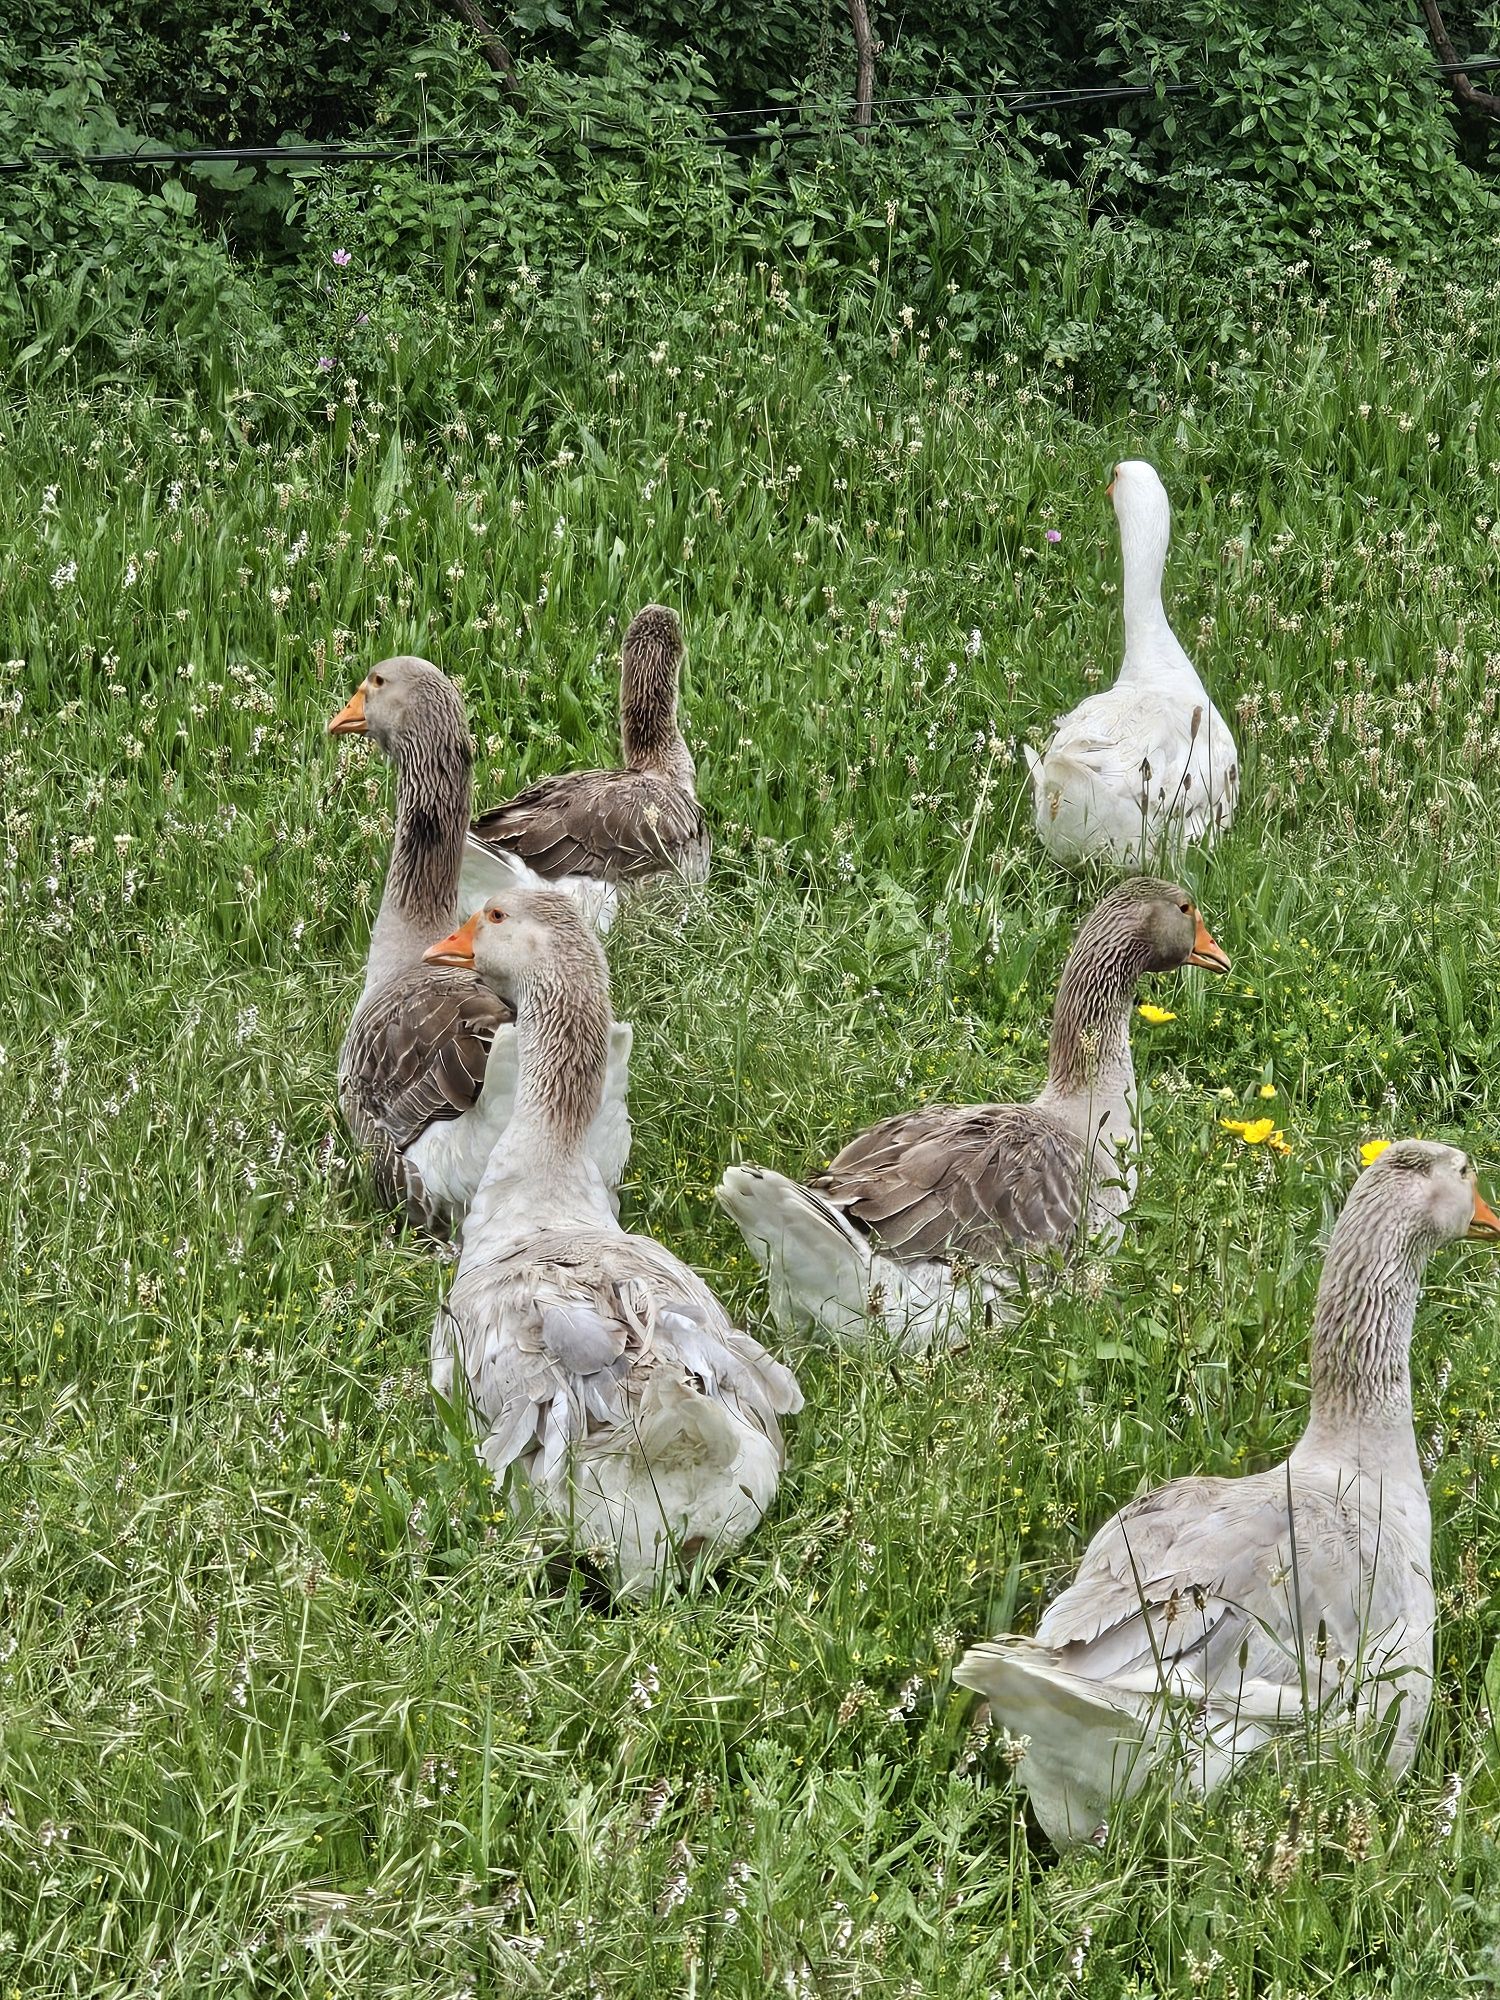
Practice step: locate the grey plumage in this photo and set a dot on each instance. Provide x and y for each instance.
(1212, 1613)
(626, 826)
(427, 1069)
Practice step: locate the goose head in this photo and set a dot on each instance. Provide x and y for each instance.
(1148, 925)
(524, 939)
(1420, 1194)
(402, 703)
(1139, 495)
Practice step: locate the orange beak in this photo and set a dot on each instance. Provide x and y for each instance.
(1205, 952)
(350, 720)
(1485, 1228)
(458, 947)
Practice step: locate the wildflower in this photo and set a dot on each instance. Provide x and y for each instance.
(1267, 1090)
(1258, 1132)
(1156, 1016)
(675, 1888)
(1053, 535)
(974, 644)
(1371, 1151)
(325, 363)
(64, 574)
(1013, 1749)
(342, 258)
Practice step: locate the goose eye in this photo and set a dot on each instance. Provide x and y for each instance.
(496, 916)
(1186, 909)
(377, 680)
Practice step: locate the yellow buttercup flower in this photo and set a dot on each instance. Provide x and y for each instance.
(1254, 1131)
(1267, 1090)
(1371, 1151)
(1148, 1011)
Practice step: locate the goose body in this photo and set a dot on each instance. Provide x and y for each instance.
(427, 1071)
(605, 1380)
(1212, 1615)
(597, 834)
(1148, 764)
(935, 1215)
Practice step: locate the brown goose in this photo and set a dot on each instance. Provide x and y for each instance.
(593, 833)
(601, 1372)
(1213, 1614)
(427, 1073)
(931, 1213)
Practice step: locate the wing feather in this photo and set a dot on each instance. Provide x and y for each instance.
(615, 826)
(984, 1181)
(416, 1052)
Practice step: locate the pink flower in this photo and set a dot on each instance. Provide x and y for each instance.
(341, 258)
(325, 362)
(1054, 534)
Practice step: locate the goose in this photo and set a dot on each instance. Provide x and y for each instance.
(427, 1072)
(602, 1374)
(595, 833)
(1213, 1614)
(1150, 762)
(934, 1213)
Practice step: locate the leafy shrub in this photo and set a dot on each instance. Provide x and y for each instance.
(97, 271)
(1322, 114)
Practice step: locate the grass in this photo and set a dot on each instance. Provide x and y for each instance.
(289, 1706)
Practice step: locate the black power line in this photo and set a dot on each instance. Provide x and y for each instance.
(444, 148)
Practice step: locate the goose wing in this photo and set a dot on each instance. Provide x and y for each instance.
(981, 1180)
(558, 1336)
(1167, 751)
(417, 1051)
(617, 826)
(1207, 1582)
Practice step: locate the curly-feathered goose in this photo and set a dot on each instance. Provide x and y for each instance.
(427, 1073)
(1213, 1614)
(601, 1372)
(932, 1213)
(593, 834)
(1134, 772)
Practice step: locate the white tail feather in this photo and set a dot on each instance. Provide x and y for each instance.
(822, 1270)
(1085, 1752)
(1092, 1744)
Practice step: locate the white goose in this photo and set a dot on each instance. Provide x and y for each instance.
(1132, 773)
(596, 835)
(601, 1371)
(932, 1214)
(1212, 1615)
(427, 1073)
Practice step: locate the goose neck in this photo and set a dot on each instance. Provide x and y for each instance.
(1143, 554)
(1089, 1065)
(420, 900)
(562, 1048)
(1362, 1329)
(649, 735)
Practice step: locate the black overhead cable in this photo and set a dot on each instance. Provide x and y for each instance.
(599, 128)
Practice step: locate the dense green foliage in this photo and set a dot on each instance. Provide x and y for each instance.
(1308, 127)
